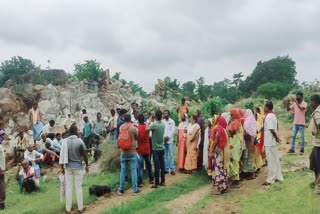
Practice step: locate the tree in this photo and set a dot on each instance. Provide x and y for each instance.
(89, 70)
(226, 91)
(14, 68)
(135, 87)
(276, 90)
(201, 89)
(116, 76)
(188, 89)
(237, 78)
(171, 84)
(279, 69)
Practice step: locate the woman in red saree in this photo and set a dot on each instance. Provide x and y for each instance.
(182, 142)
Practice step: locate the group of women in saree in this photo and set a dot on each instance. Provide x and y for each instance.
(233, 146)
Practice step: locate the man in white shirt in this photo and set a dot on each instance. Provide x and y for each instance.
(31, 155)
(168, 142)
(271, 139)
(67, 122)
(2, 169)
(49, 128)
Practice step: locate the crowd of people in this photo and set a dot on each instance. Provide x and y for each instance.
(230, 146)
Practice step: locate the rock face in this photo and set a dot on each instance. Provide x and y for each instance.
(56, 101)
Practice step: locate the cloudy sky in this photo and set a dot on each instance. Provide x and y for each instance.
(146, 40)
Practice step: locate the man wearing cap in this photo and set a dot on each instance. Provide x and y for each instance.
(2, 169)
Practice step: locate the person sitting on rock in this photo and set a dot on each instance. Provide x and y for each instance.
(27, 177)
(22, 141)
(57, 142)
(49, 128)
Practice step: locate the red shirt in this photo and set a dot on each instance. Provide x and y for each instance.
(143, 140)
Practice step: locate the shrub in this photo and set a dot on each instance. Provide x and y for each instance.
(211, 107)
(275, 90)
(89, 70)
(110, 159)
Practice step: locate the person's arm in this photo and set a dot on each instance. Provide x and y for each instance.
(149, 128)
(301, 106)
(178, 107)
(40, 155)
(273, 132)
(187, 109)
(85, 156)
(26, 157)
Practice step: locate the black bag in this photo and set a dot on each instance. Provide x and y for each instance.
(99, 190)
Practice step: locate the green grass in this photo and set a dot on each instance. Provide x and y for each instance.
(293, 196)
(48, 198)
(205, 201)
(154, 201)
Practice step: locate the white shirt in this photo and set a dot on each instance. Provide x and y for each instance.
(270, 122)
(170, 129)
(32, 171)
(48, 129)
(31, 156)
(2, 158)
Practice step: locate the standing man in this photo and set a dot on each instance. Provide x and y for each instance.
(35, 121)
(112, 127)
(168, 142)
(71, 166)
(299, 109)
(157, 128)
(87, 131)
(98, 126)
(67, 122)
(120, 120)
(314, 127)
(182, 108)
(2, 169)
(271, 139)
(128, 133)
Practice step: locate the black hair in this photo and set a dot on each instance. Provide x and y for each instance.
(315, 98)
(123, 111)
(269, 105)
(34, 103)
(51, 136)
(141, 118)
(64, 134)
(58, 134)
(195, 117)
(127, 118)
(112, 111)
(167, 111)
(183, 99)
(98, 114)
(73, 130)
(299, 93)
(52, 122)
(159, 115)
(84, 111)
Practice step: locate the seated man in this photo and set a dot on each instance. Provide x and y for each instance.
(34, 157)
(57, 142)
(49, 128)
(22, 140)
(49, 155)
(27, 177)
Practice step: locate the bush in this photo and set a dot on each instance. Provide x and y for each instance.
(275, 90)
(249, 105)
(90, 70)
(110, 159)
(211, 107)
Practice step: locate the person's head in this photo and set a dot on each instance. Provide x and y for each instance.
(51, 136)
(299, 96)
(158, 115)
(315, 101)
(268, 106)
(127, 118)
(133, 105)
(194, 119)
(25, 164)
(21, 134)
(141, 118)
(44, 137)
(198, 113)
(122, 112)
(99, 116)
(64, 135)
(51, 123)
(84, 111)
(35, 105)
(73, 130)
(113, 112)
(58, 136)
(183, 101)
(85, 118)
(166, 114)
(47, 145)
(118, 111)
(69, 115)
(30, 147)
(258, 110)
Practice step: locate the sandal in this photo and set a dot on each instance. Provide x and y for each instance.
(266, 183)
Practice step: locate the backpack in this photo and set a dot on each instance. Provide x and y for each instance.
(99, 190)
(124, 140)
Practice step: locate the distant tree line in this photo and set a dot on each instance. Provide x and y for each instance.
(271, 79)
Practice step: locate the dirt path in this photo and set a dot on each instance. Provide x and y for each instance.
(108, 202)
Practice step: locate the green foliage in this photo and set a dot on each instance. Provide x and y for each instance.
(249, 105)
(43, 79)
(174, 115)
(187, 89)
(89, 70)
(171, 84)
(18, 90)
(135, 87)
(225, 90)
(237, 79)
(211, 107)
(280, 69)
(14, 68)
(276, 90)
(116, 76)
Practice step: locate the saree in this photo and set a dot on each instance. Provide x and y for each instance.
(182, 144)
(211, 143)
(257, 159)
(192, 151)
(206, 145)
(221, 158)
